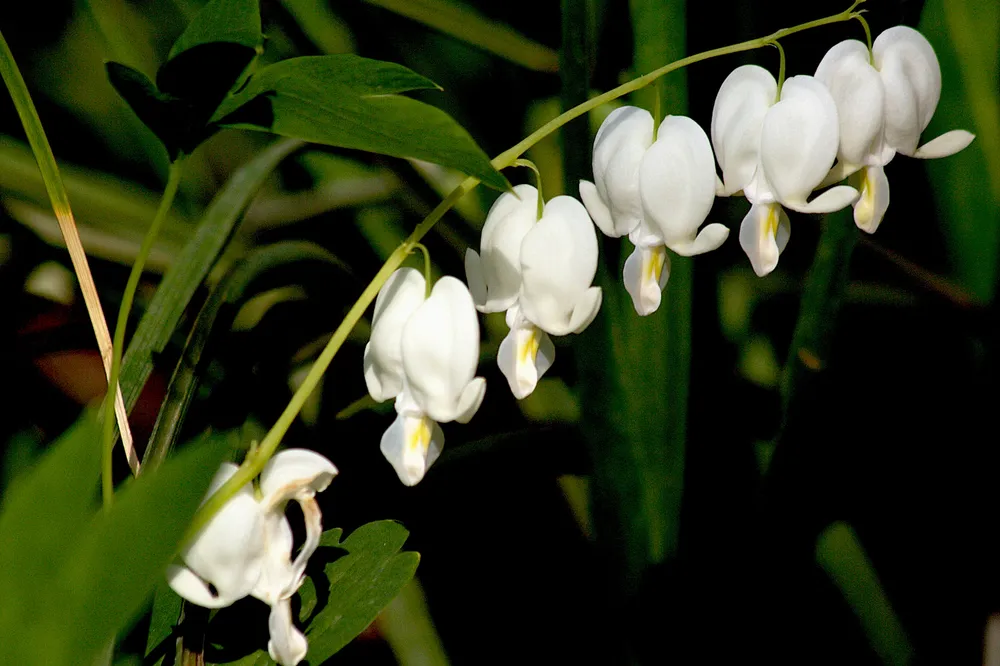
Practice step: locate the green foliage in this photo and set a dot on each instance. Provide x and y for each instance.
(73, 576)
(363, 574)
(205, 63)
(192, 265)
(365, 577)
(352, 102)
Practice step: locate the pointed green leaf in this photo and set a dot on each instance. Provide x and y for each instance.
(352, 102)
(233, 21)
(362, 581)
(44, 510)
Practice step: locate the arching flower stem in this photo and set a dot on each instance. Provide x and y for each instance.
(521, 162)
(255, 460)
(428, 278)
(781, 68)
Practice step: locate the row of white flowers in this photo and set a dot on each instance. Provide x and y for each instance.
(776, 143)
(537, 261)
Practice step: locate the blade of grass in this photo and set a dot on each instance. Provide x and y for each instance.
(60, 206)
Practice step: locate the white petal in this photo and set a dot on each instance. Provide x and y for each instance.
(947, 144)
(763, 235)
(411, 445)
(524, 356)
(558, 264)
(441, 350)
(470, 400)
(585, 310)
(870, 208)
(646, 273)
(709, 238)
(596, 207)
(799, 140)
(912, 78)
(619, 146)
(832, 199)
(475, 279)
(399, 297)
(858, 92)
(287, 646)
(278, 580)
(677, 180)
(743, 99)
(227, 553)
(512, 215)
(298, 473)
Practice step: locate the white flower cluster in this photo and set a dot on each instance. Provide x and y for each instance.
(775, 144)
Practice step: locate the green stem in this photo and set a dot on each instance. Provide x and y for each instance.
(255, 461)
(540, 210)
(781, 69)
(428, 278)
(108, 438)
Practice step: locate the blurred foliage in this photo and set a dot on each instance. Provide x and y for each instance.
(892, 437)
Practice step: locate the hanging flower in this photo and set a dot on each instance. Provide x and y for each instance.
(246, 548)
(540, 270)
(885, 99)
(777, 151)
(423, 352)
(658, 192)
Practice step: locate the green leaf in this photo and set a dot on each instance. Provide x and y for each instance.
(232, 21)
(161, 639)
(67, 600)
(352, 102)
(966, 186)
(841, 555)
(44, 510)
(362, 581)
(192, 265)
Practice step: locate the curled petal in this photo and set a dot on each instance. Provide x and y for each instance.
(412, 444)
(799, 140)
(870, 208)
(399, 297)
(287, 645)
(947, 144)
(743, 100)
(279, 578)
(857, 90)
(763, 236)
(441, 351)
(510, 218)
(677, 180)
(295, 473)
(646, 273)
(227, 554)
(558, 264)
(525, 354)
(912, 78)
(619, 146)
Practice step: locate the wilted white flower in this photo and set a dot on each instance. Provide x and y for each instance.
(246, 548)
(884, 99)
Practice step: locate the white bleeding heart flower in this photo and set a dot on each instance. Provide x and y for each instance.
(777, 151)
(885, 99)
(423, 352)
(659, 192)
(246, 548)
(548, 263)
